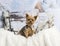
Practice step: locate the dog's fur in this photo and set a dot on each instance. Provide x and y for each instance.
(27, 31)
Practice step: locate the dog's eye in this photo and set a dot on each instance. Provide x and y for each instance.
(28, 19)
(32, 20)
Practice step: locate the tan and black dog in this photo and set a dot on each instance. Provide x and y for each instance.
(27, 30)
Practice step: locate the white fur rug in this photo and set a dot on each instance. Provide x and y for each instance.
(48, 37)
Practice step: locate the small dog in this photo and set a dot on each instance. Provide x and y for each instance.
(27, 30)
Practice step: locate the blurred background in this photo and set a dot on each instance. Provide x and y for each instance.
(18, 8)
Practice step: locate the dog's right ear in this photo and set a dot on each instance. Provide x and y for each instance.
(27, 15)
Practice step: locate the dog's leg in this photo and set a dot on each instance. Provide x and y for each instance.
(26, 34)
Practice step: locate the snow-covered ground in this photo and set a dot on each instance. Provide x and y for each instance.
(49, 37)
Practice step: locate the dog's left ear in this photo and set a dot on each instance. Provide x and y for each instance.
(35, 17)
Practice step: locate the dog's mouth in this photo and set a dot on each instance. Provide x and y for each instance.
(29, 23)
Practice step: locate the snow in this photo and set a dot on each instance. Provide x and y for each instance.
(48, 37)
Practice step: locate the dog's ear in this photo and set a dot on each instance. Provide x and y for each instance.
(27, 15)
(35, 17)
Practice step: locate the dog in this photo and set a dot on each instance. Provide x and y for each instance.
(27, 30)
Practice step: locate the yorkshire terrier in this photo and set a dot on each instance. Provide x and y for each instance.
(27, 30)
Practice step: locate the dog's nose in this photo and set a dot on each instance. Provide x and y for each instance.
(30, 21)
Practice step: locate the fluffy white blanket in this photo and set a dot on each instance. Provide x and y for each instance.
(48, 37)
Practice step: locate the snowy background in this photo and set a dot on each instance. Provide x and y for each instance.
(27, 5)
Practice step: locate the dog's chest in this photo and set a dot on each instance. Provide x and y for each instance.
(28, 28)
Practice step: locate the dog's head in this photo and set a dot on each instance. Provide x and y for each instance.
(30, 19)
